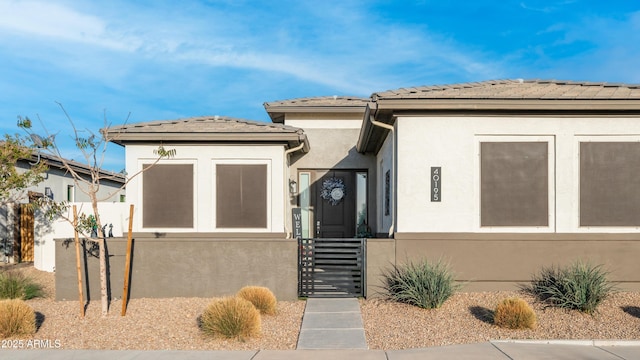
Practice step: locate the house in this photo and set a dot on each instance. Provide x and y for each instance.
(28, 237)
(497, 177)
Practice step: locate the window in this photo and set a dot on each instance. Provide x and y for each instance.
(609, 184)
(241, 196)
(514, 184)
(71, 193)
(167, 196)
(387, 193)
(304, 197)
(362, 224)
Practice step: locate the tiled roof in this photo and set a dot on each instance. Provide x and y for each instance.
(320, 104)
(205, 124)
(518, 89)
(209, 129)
(320, 101)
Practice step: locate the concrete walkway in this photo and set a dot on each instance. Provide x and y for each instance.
(332, 324)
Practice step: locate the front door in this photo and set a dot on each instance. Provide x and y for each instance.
(334, 203)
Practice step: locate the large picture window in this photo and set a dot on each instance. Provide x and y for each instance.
(514, 184)
(167, 196)
(609, 184)
(241, 196)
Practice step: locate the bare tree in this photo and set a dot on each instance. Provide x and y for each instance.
(93, 148)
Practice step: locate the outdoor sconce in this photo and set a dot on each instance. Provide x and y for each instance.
(293, 187)
(48, 193)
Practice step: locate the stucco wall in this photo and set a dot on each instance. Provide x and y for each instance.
(193, 265)
(204, 158)
(492, 262)
(453, 144)
(332, 138)
(386, 161)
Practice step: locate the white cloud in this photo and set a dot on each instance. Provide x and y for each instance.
(59, 23)
(344, 46)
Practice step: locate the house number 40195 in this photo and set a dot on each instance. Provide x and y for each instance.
(436, 183)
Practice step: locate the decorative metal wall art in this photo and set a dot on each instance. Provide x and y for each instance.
(333, 190)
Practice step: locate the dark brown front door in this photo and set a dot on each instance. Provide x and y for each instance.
(333, 202)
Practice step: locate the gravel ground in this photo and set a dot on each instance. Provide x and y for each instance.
(464, 318)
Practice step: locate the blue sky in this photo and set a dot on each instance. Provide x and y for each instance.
(164, 59)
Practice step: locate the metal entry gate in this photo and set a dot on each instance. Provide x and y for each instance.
(331, 267)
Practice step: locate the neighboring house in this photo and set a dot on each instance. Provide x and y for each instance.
(497, 177)
(22, 236)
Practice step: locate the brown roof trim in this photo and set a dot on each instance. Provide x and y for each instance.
(80, 168)
(506, 104)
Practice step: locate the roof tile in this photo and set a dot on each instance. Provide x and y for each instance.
(205, 124)
(321, 101)
(517, 89)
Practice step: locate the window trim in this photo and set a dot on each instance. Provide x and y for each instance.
(551, 174)
(214, 198)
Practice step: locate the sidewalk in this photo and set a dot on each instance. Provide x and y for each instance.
(495, 350)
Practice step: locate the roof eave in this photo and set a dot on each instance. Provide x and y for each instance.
(291, 139)
(277, 112)
(510, 104)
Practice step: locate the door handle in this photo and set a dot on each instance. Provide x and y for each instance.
(318, 228)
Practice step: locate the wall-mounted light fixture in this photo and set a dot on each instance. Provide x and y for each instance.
(293, 187)
(48, 193)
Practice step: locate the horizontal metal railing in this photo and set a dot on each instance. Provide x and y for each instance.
(331, 267)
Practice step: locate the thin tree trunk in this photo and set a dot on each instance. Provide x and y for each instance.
(77, 243)
(104, 295)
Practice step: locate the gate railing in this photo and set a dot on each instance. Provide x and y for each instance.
(331, 267)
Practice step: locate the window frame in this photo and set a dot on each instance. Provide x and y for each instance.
(551, 173)
(214, 198)
(144, 162)
(578, 139)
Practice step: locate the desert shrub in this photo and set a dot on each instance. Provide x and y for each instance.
(424, 284)
(14, 285)
(261, 297)
(514, 313)
(16, 318)
(231, 317)
(579, 286)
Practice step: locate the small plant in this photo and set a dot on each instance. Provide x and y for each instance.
(261, 297)
(231, 317)
(514, 313)
(579, 286)
(16, 318)
(424, 284)
(14, 285)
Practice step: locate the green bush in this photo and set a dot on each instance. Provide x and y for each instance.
(16, 318)
(579, 286)
(231, 317)
(14, 285)
(424, 284)
(261, 297)
(514, 313)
